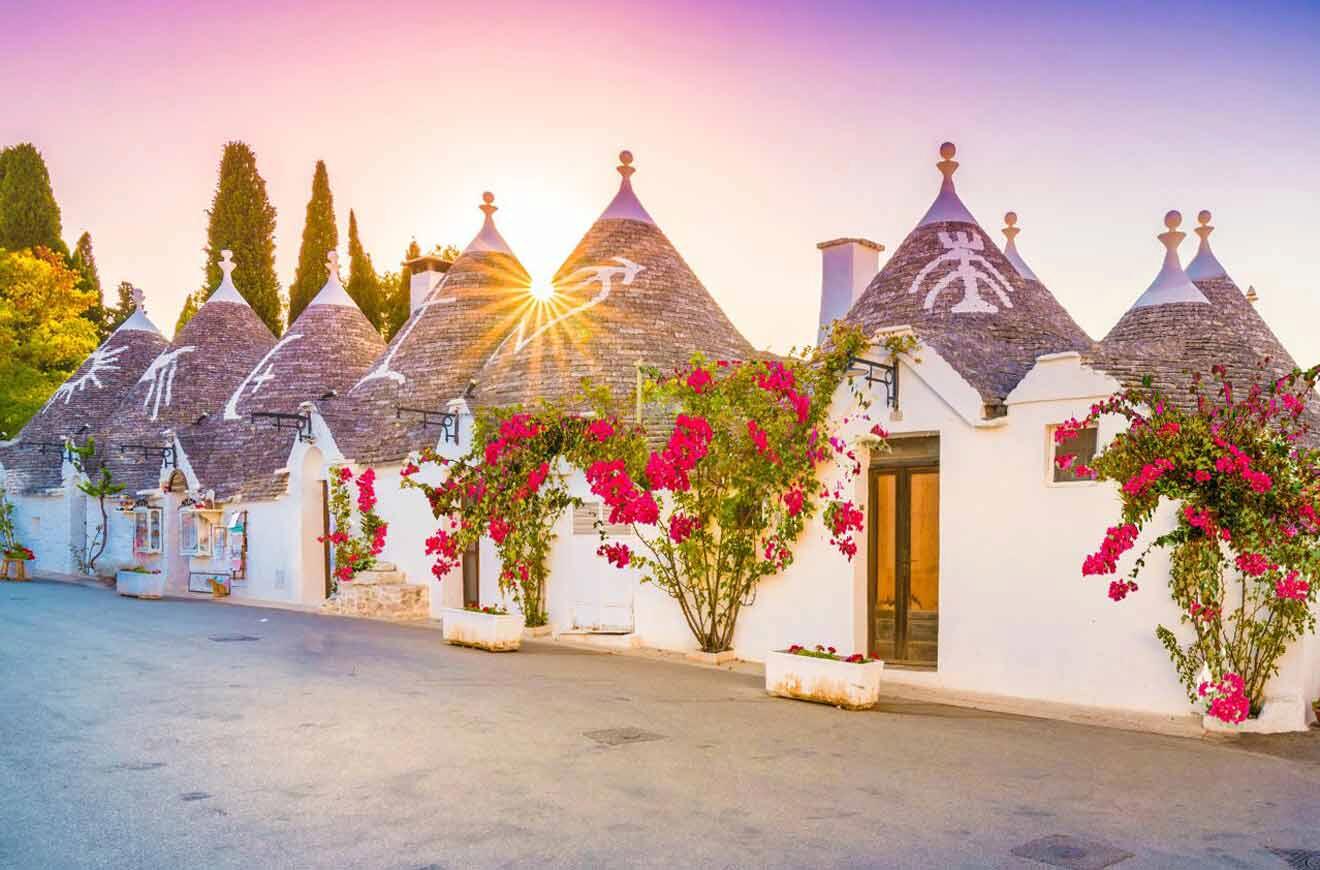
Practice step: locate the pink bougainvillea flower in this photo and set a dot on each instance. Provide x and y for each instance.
(601, 430)
(681, 527)
(618, 555)
(1254, 564)
(879, 431)
(1293, 589)
(793, 500)
(698, 380)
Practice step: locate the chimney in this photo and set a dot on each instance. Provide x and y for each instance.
(427, 272)
(847, 266)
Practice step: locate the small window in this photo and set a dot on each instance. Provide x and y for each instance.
(146, 530)
(1082, 448)
(588, 517)
(194, 533)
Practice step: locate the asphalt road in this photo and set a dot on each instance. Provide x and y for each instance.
(131, 738)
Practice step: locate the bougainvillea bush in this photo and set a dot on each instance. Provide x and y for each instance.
(716, 497)
(1245, 550)
(355, 550)
(511, 487)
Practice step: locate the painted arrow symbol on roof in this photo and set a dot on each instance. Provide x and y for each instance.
(580, 279)
(231, 407)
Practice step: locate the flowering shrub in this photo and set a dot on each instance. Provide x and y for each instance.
(719, 504)
(1248, 497)
(828, 652)
(354, 552)
(715, 507)
(509, 487)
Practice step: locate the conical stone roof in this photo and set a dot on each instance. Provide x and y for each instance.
(323, 353)
(1182, 325)
(84, 403)
(194, 376)
(433, 357)
(623, 296)
(964, 298)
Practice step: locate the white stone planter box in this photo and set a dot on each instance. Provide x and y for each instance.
(825, 681)
(488, 631)
(135, 584)
(1277, 715)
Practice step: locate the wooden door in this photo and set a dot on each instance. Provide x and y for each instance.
(905, 564)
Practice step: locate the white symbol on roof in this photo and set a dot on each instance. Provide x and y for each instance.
(580, 279)
(160, 374)
(972, 268)
(102, 361)
(383, 370)
(257, 376)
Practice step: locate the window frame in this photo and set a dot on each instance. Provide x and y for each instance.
(1051, 452)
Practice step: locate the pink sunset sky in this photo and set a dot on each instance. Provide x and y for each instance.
(759, 129)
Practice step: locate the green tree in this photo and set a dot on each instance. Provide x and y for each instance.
(123, 307)
(29, 215)
(320, 237)
(242, 220)
(363, 282)
(84, 263)
(191, 303)
(43, 335)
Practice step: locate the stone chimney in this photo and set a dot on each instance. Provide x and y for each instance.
(427, 272)
(847, 267)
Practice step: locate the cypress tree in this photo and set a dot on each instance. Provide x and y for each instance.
(84, 263)
(241, 219)
(320, 237)
(191, 303)
(363, 283)
(29, 215)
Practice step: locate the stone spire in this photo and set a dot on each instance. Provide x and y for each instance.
(625, 205)
(1172, 283)
(1204, 265)
(227, 292)
(138, 320)
(947, 206)
(488, 239)
(333, 293)
(1011, 231)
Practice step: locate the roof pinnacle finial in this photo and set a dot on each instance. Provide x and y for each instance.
(1171, 284)
(947, 207)
(626, 169)
(1252, 295)
(625, 205)
(488, 206)
(1011, 230)
(227, 264)
(226, 291)
(948, 165)
(332, 265)
(139, 299)
(1204, 266)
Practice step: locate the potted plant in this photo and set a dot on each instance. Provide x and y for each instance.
(140, 581)
(822, 675)
(18, 556)
(491, 628)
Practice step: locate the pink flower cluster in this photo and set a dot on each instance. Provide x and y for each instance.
(601, 430)
(366, 484)
(1292, 588)
(681, 527)
(1237, 462)
(844, 518)
(762, 441)
(1118, 540)
(1254, 564)
(688, 445)
(794, 499)
(617, 555)
(444, 547)
(1145, 479)
(699, 379)
(628, 503)
(513, 431)
(1227, 698)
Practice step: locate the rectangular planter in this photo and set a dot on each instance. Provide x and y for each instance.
(825, 681)
(1278, 715)
(138, 585)
(488, 631)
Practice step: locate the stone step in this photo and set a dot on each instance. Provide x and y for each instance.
(379, 577)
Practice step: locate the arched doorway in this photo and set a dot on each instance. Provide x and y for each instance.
(177, 565)
(314, 568)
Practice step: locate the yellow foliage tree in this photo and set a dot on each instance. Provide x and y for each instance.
(43, 335)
